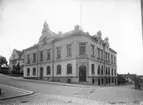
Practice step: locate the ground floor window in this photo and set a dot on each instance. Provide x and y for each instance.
(58, 69)
(69, 69)
(48, 70)
(28, 71)
(102, 81)
(98, 81)
(93, 81)
(34, 71)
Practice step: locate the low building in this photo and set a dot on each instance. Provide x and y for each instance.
(129, 78)
(73, 56)
(17, 57)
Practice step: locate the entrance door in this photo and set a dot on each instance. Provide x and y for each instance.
(41, 72)
(82, 73)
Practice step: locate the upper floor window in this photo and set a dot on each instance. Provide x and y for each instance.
(58, 52)
(92, 68)
(92, 49)
(28, 71)
(115, 71)
(69, 48)
(98, 69)
(108, 70)
(48, 54)
(28, 59)
(58, 69)
(34, 57)
(101, 54)
(106, 55)
(69, 69)
(48, 70)
(41, 55)
(34, 71)
(112, 71)
(82, 48)
(98, 52)
(114, 60)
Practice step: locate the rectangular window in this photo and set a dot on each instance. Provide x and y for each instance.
(28, 71)
(98, 50)
(34, 57)
(48, 54)
(82, 48)
(58, 52)
(69, 48)
(101, 54)
(92, 49)
(41, 56)
(108, 57)
(112, 59)
(28, 59)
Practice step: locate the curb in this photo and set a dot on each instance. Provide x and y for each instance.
(21, 90)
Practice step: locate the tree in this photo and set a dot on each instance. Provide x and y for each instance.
(3, 61)
(16, 68)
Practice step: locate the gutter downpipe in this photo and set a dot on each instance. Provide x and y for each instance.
(53, 60)
(37, 59)
(104, 64)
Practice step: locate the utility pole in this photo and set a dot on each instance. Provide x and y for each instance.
(81, 14)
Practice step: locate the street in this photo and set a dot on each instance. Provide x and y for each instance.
(121, 94)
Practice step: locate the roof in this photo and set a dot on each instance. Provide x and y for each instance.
(48, 34)
(112, 50)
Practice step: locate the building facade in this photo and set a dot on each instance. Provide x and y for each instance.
(17, 57)
(72, 57)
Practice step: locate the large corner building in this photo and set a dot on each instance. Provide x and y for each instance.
(72, 57)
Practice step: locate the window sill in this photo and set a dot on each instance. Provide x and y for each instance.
(69, 56)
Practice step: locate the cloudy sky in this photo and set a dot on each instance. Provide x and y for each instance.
(21, 23)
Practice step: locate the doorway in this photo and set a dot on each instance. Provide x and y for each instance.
(82, 73)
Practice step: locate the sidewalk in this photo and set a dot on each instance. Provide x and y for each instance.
(9, 92)
(53, 83)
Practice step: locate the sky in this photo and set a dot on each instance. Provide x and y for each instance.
(21, 23)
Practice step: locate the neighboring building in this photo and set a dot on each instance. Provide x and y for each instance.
(74, 57)
(130, 78)
(15, 58)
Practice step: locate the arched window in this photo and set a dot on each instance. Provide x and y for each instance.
(108, 70)
(102, 70)
(34, 71)
(92, 68)
(98, 69)
(28, 71)
(48, 70)
(112, 71)
(58, 69)
(69, 69)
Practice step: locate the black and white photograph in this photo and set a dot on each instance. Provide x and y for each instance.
(71, 52)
